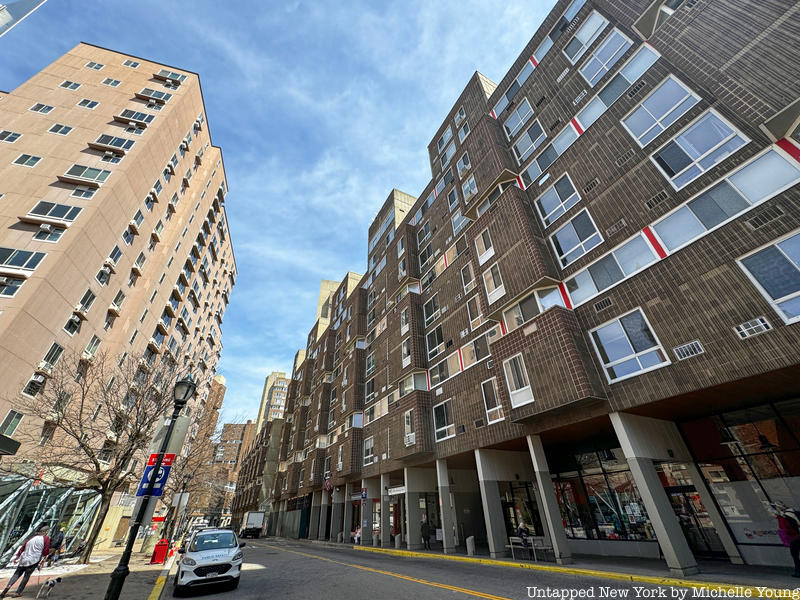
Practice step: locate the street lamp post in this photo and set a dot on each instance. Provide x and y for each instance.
(182, 393)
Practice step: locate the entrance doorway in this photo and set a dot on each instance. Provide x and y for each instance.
(519, 506)
(695, 522)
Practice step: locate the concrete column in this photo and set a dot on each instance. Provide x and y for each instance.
(445, 510)
(633, 437)
(413, 520)
(368, 508)
(492, 507)
(386, 534)
(348, 513)
(322, 533)
(716, 518)
(337, 510)
(313, 524)
(548, 504)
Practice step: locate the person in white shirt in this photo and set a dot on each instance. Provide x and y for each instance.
(29, 556)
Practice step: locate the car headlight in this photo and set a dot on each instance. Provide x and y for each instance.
(189, 562)
(239, 555)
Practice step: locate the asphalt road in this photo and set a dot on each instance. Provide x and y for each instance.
(288, 570)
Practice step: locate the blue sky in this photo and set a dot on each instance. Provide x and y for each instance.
(320, 108)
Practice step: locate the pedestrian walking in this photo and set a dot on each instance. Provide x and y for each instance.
(524, 533)
(425, 532)
(789, 532)
(55, 547)
(29, 556)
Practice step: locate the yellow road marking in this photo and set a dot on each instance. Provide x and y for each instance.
(157, 588)
(393, 574)
(755, 592)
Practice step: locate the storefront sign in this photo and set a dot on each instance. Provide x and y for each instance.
(396, 491)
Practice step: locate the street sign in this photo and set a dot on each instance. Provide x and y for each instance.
(161, 478)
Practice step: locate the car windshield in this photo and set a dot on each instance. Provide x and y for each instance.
(212, 541)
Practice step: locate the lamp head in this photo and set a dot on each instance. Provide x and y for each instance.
(184, 391)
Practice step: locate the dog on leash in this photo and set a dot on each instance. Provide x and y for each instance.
(47, 587)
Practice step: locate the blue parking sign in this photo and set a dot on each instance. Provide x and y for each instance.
(161, 478)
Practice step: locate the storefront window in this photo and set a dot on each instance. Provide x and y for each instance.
(750, 459)
(600, 500)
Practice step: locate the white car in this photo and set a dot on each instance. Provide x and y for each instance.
(212, 556)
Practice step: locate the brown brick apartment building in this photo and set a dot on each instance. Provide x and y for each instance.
(113, 232)
(587, 321)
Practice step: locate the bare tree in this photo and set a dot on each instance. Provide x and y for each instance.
(98, 415)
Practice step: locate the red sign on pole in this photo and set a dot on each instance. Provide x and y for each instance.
(167, 462)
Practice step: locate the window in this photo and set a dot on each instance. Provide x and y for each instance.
(463, 164)
(69, 85)
(469, 188)
(111, 82)
(518, 118)
(463, 132)
(444, 370)
(10, 423)
(467, 277)
(452, 199)
(493, 283)
(706, 142)
(424, 256)
(605, 56)
(408, 428)
(88, 173)
(416, 381)
(9, 287)
(130, 63)
(443, 421)
(9, 136)
(666, 10)
(458, 221)
(41, 108)
(558, 29)
(94, 65)
(53, 355)
(665, 105)
(460, 115)
(633, 69)
(158, 95)
(423, 233)
(369, 445)
(448, 154)
(483, 244)
(51, 210)
(115, 142)
(756, 181)
(775, 270)
(369, 391)
(475, 351)
(92, 346)
(550, 153)
(134, 115)
(557, 200)
(115, 255)
(128, 236)
(435, 342)
(176, 77)
(629, 258)
(405, 352)
(627, 347)
(512, 90)
(86, 302)
(431, 310)
(370, 365)
(576, 238)
(51, 235)
(26, 160)
(138, 218)
(517, 380)
(527, 308)
(60, 129)
(587, 33)
(446, 137)
(86, 103)
(529, 141)
(494, 410)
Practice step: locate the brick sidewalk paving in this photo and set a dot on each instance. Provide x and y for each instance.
(84, 582)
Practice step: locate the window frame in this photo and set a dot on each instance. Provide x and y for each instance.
(607, 66)
(498, 408)
(521, 156)
(561, 257)
(448, 415)
(659, 346)
(522, 122)
(528, 397)
(488, 252)
(691, 94)
(499, 290)
(588, 44)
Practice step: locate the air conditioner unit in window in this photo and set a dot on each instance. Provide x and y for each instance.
(75, 319)
(38, 378)
(46, 227)
(108, 155)
(5, 281)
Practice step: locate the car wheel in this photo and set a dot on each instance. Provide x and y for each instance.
(177, 591)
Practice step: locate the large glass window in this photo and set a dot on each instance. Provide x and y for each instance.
(556, 200)
(627, 346)
(443, 421)
(587, 33)
(575, 238)
(706, 142)
(558, 29)
(665, 105)
(605, 56)
(519, 386)
(518, 118)
(493, 282)
(776, 271)
(494, 410)
(529, 141)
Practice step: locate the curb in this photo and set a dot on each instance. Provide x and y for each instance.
(725, 588)
(160, 587)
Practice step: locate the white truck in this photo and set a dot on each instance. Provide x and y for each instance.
(252, 524)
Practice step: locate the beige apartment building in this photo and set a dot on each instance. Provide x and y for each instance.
(273, 399)
(113, 231)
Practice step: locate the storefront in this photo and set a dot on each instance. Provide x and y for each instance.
(750, 459)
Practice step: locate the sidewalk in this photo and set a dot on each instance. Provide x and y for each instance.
(81, 582)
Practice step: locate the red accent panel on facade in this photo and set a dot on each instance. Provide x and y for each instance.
(503, 327)
(564, 296)
(520, 183)
(656, 244)
(576, 125)
(534, 61)
(789, 148)
(460, 359)
(428, 377)
(491, 114)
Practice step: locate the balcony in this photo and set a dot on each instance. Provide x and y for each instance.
(154, 343)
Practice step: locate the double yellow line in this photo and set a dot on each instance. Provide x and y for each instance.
(443, 586)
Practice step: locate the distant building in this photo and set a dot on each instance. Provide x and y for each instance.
(273, 398)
